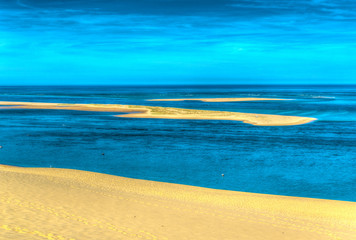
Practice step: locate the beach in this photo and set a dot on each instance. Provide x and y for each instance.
(136, 111)
(63, 204)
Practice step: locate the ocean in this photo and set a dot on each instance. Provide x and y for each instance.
(316, 160)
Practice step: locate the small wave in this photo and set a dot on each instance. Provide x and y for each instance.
(325, 97)
(253, 94)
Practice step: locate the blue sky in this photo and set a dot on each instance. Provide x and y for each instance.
(177, 41)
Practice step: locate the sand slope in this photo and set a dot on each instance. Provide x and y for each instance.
(167, 113)
(68, 204)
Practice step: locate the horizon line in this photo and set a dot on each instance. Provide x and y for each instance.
(185, 84)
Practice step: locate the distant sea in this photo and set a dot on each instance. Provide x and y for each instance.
(316, 160)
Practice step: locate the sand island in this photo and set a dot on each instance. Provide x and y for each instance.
(62, 204)
(135, 111)
(218, 99)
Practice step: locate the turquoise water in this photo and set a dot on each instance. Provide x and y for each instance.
(313, 160)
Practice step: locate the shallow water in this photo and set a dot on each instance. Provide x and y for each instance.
(312, 160)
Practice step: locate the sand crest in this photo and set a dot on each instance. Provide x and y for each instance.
(61, 204)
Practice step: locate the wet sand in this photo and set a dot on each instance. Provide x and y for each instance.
(61, 204)
(167, 113)
(218, 99)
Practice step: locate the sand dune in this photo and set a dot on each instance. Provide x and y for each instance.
(167, 113)
(218, 99)
(60, 204)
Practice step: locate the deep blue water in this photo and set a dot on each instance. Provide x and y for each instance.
(313, 160)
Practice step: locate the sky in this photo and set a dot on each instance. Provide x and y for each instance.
(60, 42)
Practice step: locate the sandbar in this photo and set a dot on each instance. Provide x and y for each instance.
(136, 111)
(219, 99)
(63, 204)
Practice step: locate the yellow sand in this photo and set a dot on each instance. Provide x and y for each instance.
(219, 99)
(168, 113)
(59, 204)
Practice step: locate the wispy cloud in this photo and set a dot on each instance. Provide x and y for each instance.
(229, 31)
